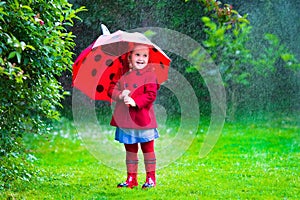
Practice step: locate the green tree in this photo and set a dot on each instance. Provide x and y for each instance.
(35, 48)
(227, 41)
(279, 91)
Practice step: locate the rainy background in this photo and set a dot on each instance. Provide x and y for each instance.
(269, 86)
(254, 44)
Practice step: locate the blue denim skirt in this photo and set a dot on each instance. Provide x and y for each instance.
(132, 136)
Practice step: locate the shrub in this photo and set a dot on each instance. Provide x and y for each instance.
(227, 41)
(35, 48)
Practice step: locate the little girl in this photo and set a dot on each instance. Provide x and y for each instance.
(134, 116)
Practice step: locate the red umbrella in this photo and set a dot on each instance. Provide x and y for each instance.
(79, 60)
(96, 66)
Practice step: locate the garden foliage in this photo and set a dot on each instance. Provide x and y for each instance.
(35, 48)
(227, 41)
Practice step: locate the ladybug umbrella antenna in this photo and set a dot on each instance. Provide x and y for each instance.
(104, 30)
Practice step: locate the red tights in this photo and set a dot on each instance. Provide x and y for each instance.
(147, 147)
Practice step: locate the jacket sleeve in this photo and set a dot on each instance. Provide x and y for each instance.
(149, 94)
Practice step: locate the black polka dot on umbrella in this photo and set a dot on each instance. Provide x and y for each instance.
(126, 85)
(97, 58)
(111, 76)
(135, 85)
(100, 88)
(109, 63)
(162, 65)
(94, 72)
(122, 61)
(154, 49)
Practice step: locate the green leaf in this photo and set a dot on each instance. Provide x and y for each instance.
(27, 7)
(191, 69)
(286, 57)
(273, 39)
(17, 3)
(205, 19)
(30, 47)
(18, 57)
(149, 33)
(12, 54)
(220, 33)
(210, 43)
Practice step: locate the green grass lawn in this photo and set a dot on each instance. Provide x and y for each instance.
(251, 160)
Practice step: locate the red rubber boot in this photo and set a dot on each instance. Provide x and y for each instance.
(130, 182)
(132, 169)
(150, 166)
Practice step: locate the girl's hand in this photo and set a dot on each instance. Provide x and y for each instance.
(129, 101)
(124, 94)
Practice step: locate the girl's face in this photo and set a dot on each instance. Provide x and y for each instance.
(140, 57)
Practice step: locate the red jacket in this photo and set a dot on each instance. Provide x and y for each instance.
(143, 86)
